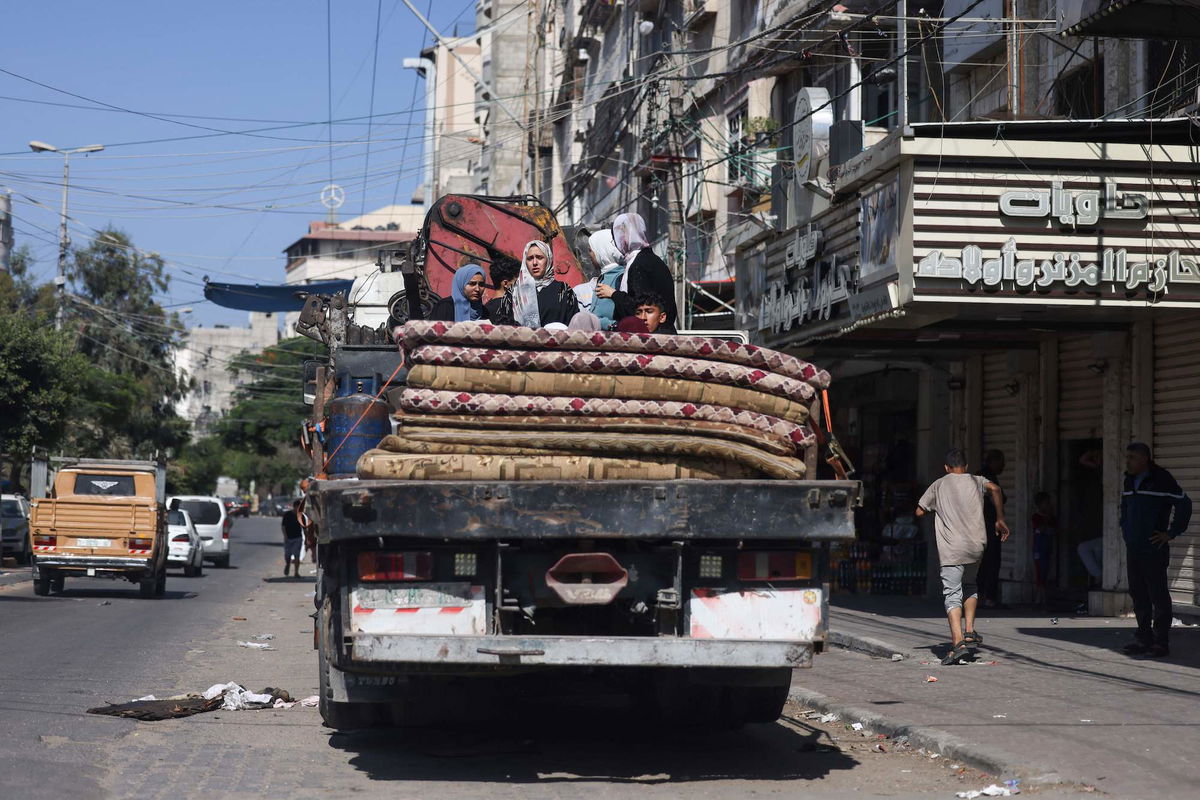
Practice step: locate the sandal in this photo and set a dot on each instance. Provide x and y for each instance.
(957, 655)
(972, 637)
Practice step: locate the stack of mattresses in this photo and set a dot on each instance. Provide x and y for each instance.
(487, 402)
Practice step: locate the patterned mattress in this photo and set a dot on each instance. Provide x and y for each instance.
(486, 402)
(474, 334)
(432, 441)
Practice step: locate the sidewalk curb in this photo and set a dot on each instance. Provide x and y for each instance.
(12, 577)
(992, 761)
(865, 644)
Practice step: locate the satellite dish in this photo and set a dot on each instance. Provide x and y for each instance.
(814, 121)
(814, 118)
(333, 196)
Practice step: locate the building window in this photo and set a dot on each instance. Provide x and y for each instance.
(692, 188)
(738, 146)
(1079, 94)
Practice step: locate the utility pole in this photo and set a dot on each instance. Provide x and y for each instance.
(902, 66)
(64, 240)
(6, 231)
(676, 241)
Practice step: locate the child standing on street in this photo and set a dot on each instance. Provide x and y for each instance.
(957, 500)
(1045, 529)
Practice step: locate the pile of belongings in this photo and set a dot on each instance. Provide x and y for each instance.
(486, 402)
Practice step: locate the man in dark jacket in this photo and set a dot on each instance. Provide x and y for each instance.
(1154, 510)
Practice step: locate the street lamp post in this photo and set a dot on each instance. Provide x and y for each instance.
(64, 241)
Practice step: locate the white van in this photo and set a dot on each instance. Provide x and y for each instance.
(212, 522)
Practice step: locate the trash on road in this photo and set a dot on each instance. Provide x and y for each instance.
(999, 716)
(995, 790)
(930, 679)
(256, 645)
(1054, 620)
(310, 701)
(239, 619)
(858, 726)
(830, 718)
(263, 637)
(897, 657)
(104, 603)
(152, 710)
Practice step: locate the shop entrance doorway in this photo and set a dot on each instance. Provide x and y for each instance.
(1080, 512)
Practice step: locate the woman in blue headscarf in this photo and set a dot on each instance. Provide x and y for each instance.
(465, 303)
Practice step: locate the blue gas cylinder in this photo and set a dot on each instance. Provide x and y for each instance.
(357, 423)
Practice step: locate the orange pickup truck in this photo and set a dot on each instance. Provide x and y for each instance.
(102, 519)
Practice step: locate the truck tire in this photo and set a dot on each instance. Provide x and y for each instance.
(160, 585)
(341, 716)
(146, 586)
(57, 582)
(41, 587)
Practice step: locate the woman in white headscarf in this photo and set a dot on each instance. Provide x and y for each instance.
(646, 277)
(610, 266)
(539, 299)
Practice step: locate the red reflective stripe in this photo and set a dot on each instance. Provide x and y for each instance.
(453, 610)
(407, 610)
(361, 610)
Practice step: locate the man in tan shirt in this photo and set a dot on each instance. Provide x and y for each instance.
(957, 500)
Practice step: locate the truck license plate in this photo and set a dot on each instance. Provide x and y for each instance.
(93, 543)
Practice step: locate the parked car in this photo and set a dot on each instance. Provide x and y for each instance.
(14, 527)
(185, 547)
(243, 507)
(212, 522)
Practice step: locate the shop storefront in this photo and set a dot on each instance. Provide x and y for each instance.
(1032, 289)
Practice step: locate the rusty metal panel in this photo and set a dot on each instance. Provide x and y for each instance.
(677, 510)
(766, 614)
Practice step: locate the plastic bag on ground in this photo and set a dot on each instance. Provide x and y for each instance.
(991, 791)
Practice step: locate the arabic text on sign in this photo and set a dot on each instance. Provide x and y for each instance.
(1068, 270)
(1075, 208)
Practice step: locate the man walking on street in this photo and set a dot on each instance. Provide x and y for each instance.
(989, 565)
(957, 498)
(1154, 510)
(293, 537)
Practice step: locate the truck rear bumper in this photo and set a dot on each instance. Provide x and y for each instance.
(95, 562)
(576, 651)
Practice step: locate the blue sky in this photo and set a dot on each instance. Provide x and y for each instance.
(210, 204)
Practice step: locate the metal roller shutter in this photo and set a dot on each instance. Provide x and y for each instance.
(1000, 433)
(1080, 404)
(1177, 435)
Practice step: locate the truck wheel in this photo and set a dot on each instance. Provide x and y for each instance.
(146, 586)
(160, 585)
(222, 561)
(41, 587)
(341, 716)
(57, 582)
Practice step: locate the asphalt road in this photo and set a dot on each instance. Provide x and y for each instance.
(99, 643)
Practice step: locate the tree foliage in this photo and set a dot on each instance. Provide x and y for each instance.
(259, 438)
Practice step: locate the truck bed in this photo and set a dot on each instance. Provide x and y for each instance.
(677, 510)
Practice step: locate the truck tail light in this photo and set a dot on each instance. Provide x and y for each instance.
(140, 545)
(465, 564)
(48, 542)
(179, 537)
(380, 565)
(774, 566)
(711, 566)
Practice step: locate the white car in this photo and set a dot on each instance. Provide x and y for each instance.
(212, 522)
(14, 527)
(184, 546)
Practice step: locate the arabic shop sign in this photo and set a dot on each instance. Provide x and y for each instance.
(1068, 271)
(812, 298)
(1075, 208)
